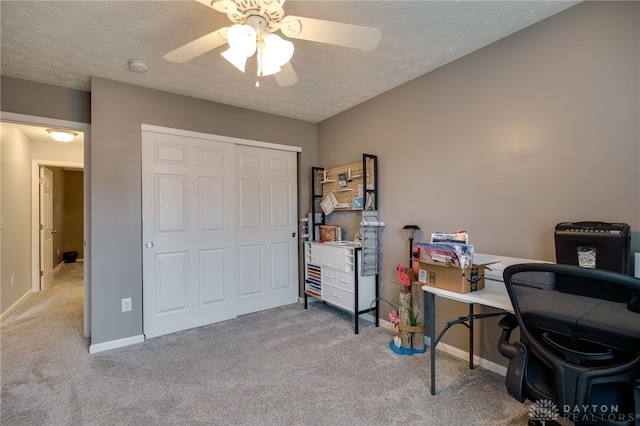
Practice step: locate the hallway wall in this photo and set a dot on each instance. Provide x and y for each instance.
(16, 233)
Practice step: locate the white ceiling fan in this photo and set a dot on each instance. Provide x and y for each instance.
(255, 22)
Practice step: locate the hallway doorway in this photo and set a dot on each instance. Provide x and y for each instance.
(38, 150)
(60, 212)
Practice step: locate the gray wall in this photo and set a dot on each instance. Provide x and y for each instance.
(15, 169)
(538, 128)
(44, 100)
(117, 111)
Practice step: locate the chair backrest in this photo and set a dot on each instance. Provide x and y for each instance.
(579, 300)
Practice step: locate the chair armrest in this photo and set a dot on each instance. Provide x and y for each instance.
(508, 323)
(517, 354)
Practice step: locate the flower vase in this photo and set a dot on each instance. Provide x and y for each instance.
(417, 340)
(404, 300)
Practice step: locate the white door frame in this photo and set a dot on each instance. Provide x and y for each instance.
(35, 209)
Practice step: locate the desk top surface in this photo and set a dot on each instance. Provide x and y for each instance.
(494, 294)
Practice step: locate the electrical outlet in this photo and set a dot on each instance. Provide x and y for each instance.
(126, 304)
(13, 280)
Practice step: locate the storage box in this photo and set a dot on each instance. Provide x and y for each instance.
(452, 278)
(329, 233)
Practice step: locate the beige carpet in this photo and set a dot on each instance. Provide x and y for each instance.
(284, 366)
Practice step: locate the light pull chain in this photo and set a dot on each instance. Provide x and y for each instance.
(259, 55)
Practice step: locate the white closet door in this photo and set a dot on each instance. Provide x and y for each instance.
(189, 247)
(266, 228)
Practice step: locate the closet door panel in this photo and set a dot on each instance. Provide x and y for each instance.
(267, 208)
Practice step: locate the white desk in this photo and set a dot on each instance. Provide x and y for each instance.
(494, 295)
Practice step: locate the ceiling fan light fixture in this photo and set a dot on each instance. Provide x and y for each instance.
(273, 53)
(280, 50)
(242, 38)
(62, 135)
(242, 45)
(255, 21)
(235, 57)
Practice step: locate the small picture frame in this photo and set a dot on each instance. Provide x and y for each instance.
(357, 203)
(342, 179)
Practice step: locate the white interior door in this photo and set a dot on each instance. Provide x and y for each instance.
(188, 212)
(267, 226)
(46, 227)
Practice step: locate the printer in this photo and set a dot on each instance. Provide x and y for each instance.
(495, 265)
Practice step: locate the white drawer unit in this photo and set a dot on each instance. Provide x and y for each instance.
(331, 256)
(332, 274)
(340, 298)
(345, 281)
(329, 276)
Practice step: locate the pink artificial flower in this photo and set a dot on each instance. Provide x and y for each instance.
(394, 317)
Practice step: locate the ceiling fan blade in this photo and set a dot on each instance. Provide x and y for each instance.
(224, 6)
(287, 76)
(330, 32)
(206, 2)
(198, 46)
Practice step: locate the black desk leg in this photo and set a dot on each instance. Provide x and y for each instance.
(357, 297)
(432, 338)
(471, 336)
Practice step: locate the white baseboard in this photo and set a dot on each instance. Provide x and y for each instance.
(13, 307)
(114, 344)
(458, 353)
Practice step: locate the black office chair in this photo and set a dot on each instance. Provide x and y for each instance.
(578, 356)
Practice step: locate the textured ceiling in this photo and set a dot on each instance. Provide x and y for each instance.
(66, 42)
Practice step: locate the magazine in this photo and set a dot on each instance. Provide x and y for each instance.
(449, 254)
(457, 237)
